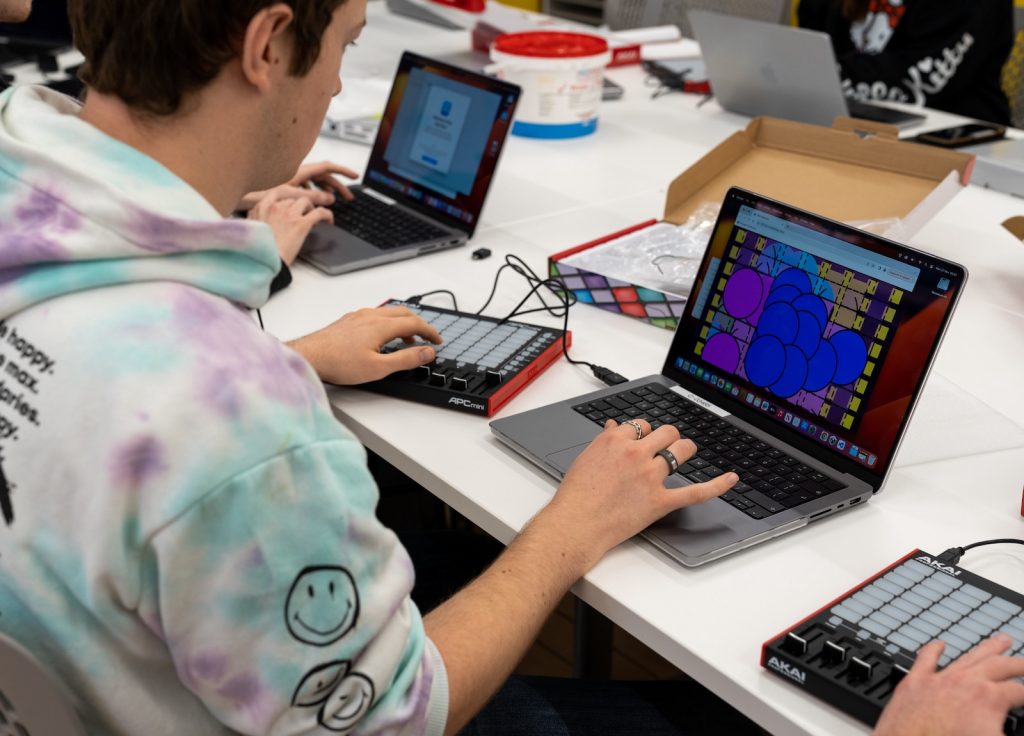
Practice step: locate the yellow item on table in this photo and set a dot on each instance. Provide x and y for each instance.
(533, 5)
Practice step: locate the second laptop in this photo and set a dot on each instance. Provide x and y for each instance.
(431, 166)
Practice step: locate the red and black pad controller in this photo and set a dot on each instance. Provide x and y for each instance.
(481, 365)
(853, 652)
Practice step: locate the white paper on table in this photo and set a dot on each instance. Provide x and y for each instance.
(950, 422)
(684, 48)
(360, 97)
(653, 34)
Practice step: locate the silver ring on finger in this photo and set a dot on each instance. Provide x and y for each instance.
(673, 464)
(635, 425)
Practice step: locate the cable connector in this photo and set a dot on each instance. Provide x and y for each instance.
(606, 375)
(951, 556)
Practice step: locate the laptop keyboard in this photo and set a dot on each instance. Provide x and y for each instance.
(770, 480)
(381, 224)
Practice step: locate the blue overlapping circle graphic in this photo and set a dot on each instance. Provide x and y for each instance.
(789, 351)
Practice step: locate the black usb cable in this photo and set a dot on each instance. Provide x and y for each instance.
(538, 286)
(952, 555)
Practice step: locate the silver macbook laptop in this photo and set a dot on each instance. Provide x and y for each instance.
(797, 363)
(760, 68)
(432, 162)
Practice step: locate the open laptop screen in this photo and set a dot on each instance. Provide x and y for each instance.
(440, 138)
(821, 332)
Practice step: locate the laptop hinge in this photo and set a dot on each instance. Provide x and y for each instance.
(377, 195)
(700, 401)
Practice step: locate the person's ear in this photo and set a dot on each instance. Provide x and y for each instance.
(266, 45)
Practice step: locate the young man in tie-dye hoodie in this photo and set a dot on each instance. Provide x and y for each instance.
(188, 538)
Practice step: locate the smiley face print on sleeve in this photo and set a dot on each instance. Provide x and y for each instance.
(322, 605)
(349, 702)
(319, 682)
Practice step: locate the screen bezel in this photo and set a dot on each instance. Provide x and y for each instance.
(874, 477)
(407, 63)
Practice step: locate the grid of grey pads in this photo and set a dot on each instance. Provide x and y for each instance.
(913, 604)
(482, 342)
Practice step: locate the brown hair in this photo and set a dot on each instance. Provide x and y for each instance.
(152, 53)
(854, 10)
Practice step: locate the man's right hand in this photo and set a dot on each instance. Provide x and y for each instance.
(970, 697)
(615, 489)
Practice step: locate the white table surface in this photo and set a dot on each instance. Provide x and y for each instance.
(957, 480)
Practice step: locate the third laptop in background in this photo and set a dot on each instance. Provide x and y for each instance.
(760, 68)
(798, 361)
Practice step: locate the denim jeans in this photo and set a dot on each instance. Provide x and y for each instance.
(553, 706)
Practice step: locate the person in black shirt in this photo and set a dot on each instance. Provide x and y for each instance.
(943, 54)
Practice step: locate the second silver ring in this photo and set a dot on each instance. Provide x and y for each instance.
(635, 425)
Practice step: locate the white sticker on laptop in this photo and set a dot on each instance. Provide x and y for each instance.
(699, 401)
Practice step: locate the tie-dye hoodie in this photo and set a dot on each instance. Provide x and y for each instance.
(188, 538)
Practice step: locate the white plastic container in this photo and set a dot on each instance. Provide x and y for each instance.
(561, 75)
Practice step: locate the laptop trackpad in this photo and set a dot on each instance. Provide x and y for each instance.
(699, 530)
(562, 459)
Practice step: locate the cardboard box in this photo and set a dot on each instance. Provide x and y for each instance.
(853, 172)
(1015, 225)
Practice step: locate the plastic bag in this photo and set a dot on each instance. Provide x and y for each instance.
(664, 257)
